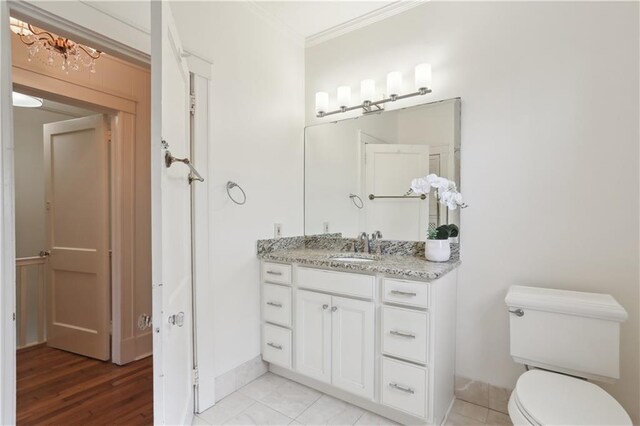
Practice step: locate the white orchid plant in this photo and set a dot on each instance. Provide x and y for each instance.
(446, 191)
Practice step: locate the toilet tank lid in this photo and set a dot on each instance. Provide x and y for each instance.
(594, 305)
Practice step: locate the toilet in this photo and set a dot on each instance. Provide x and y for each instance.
(565, 339)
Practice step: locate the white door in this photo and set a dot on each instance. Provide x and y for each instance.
(77, 202)
(352, 340)
(171, 226)
(389, 169)
(313, 334)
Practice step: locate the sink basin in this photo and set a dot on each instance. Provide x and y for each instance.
(352, 258)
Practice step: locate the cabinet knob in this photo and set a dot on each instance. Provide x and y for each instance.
(334, 308)
(325, 306)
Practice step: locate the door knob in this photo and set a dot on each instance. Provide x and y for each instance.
(177, 319)
(44, 253)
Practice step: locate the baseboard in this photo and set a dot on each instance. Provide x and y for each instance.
(31, 346)
(234, 379)
(484, 394)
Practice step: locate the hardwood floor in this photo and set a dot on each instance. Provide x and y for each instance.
(60, 388)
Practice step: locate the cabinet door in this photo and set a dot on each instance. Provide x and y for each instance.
(352, 345)
(313, 335)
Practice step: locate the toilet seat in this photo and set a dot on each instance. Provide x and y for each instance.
(546, 398)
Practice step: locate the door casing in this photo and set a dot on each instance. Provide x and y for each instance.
(116, 105)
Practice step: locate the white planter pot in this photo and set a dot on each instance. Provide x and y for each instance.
(454, 240)
(437, 250)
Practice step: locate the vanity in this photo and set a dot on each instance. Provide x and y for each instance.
(368, 319)
(377, 331)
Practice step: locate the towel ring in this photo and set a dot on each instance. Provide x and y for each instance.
(230, 186)
(354, 197)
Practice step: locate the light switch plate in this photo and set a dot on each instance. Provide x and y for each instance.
(277, 230)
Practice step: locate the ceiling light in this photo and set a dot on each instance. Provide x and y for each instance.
(26, 101)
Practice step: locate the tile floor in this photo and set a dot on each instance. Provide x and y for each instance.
(274, 400)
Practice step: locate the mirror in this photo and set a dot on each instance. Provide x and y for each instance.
(358, 171)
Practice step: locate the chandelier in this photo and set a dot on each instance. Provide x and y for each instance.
(54, 50)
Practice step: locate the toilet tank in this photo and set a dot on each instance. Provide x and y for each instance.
(570, 332)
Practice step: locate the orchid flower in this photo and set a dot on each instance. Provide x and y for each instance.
(446, 191)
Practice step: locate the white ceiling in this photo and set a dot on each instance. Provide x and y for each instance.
(310, 18)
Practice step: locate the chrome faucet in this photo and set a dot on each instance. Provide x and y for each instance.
(377, 235)
(368, 240)
(364, 237)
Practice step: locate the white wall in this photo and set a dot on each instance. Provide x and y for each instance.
(549, 153)
(257, 121)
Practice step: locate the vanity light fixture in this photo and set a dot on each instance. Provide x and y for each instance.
(368, 89)
(344, 96)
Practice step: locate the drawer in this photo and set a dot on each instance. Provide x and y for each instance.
(336, 282)
(276, 345)
(276, 273)
(276, 304)
(405, 333)
(404, 387)
(409, 293)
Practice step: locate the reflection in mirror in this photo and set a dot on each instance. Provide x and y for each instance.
(358, 171)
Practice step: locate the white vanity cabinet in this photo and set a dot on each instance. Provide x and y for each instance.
(383, 343)
(335, 340)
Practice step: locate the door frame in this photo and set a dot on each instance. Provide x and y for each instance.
(111, 104)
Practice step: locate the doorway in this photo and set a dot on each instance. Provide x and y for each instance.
(83, 328)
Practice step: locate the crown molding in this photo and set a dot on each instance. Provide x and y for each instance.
(274, 21)
(362, 21)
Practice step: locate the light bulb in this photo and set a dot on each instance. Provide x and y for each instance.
(367, 90)
(423, 77)
(394, 84)
(344, 96)
(322, 102)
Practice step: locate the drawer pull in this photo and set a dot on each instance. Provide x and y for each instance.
(404, 293)
(402, 334)
(273, 345)
(402, 388)
(274, 273)
(277, 305)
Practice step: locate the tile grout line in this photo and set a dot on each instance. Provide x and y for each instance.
(310, 405)
(224, 422)
(360, 416)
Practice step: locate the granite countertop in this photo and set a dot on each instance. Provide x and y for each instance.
(396, 263)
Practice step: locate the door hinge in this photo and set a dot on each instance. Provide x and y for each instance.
(192, 104)
(14, 316)
(195, 378)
